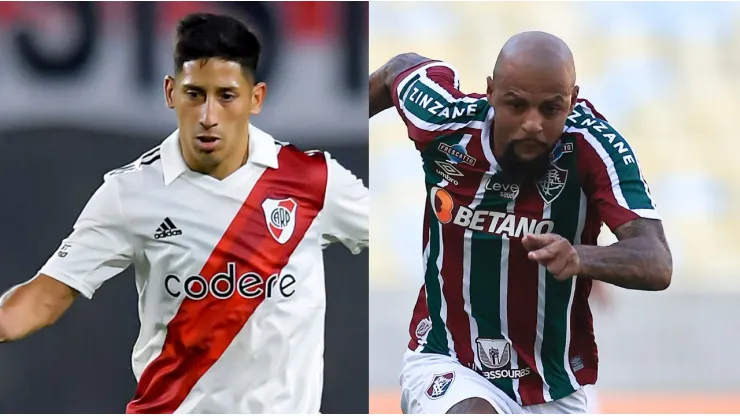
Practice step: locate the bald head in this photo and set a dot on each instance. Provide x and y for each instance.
(535, 51)
(532, 92)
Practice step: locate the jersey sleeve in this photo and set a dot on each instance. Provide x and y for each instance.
(429, 100)
(98, 247)
(346, 209)
(614, 181)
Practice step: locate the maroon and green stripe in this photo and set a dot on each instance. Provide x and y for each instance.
(523, 298)
(485, 286)
(437, 338)
(566, 210)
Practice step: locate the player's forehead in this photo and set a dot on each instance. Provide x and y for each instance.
(213, 73)
(533, 76)
(526, 83)
(554, 96)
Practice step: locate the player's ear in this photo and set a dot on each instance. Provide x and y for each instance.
(259, 91)
(574, 98)
(169, 90)
(489, 89)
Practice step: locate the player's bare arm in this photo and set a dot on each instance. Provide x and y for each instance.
(381, 80)
(32, 306)
(641, 259)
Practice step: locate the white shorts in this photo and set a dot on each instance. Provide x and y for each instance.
(433, 383)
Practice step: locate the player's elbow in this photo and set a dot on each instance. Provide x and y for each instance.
(16, 324)
(662, 273)
(4, 335)
(661, 281)
(399, 64)
(10, 330)
(32, 306)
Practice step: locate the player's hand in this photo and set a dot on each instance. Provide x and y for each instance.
(554, 252)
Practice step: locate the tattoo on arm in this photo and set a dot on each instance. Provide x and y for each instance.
(640, 260)
(381, 80)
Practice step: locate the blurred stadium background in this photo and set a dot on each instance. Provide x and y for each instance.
(667, 75)
(81, 88)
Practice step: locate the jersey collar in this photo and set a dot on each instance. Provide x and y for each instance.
(262, 151)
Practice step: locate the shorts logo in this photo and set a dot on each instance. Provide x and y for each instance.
(551, 186)
(456, 154)
(494, 353)
(440, 384)
(280, 218)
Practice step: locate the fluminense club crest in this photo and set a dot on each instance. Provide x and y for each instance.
(552, 184)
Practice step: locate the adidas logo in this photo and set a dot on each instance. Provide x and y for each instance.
(167, 229)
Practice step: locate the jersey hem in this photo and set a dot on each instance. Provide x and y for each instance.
(535, 403)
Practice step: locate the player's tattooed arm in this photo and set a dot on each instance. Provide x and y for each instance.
(641, 259)
(381, 80)
(31, 306)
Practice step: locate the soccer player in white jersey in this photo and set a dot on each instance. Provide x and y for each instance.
(225, 229)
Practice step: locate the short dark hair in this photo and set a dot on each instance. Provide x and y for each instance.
(205, 35)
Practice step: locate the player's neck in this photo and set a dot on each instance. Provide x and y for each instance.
(232, 163)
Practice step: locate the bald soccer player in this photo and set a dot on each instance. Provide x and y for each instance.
(519, 181)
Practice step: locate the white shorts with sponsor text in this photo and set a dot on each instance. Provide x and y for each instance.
(433, 383)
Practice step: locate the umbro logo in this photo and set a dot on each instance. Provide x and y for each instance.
(448, 168)
(448, 171)
(167, 229)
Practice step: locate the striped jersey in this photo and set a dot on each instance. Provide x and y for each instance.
(483, 301)
(229, 273)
